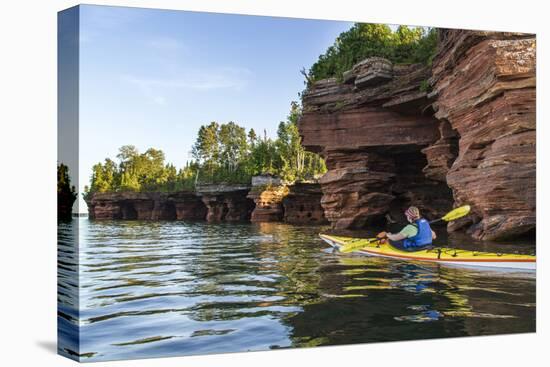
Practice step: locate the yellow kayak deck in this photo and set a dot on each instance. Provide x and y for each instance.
(438, 254)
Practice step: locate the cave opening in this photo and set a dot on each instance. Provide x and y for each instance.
(169, 211)
(412, 188)
(128, 210)
(225, 210)
(376, 222)
(250, 205)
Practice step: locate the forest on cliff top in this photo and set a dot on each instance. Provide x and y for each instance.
(223, 153)
(405, 45)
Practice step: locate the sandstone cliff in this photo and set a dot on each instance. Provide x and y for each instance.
(302, 204)
(390, 142)
(146, 206)
(371, 128)
(268, 200)
(226, 202)
(485, 88)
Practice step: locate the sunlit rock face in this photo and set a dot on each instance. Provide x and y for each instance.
(485, 87)
(459, 131)
(268, 200)
(302, 204)
(228, 203)
(181, 205)
(371, 131)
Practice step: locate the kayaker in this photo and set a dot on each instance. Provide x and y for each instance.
(413, 236)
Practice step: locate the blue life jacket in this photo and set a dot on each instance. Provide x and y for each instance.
(422, 238)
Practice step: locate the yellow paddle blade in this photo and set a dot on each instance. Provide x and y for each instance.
(456, 213)
(357, 244)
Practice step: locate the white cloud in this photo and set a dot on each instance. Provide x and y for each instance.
(155, 89)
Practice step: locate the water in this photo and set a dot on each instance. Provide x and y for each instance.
(151, 289)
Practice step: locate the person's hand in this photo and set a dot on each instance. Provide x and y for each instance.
(381, 235)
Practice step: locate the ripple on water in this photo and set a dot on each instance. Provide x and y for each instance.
(170, 288)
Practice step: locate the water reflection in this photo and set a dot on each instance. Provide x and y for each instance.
(171, 288)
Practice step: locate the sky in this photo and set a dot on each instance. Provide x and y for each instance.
(151, 78)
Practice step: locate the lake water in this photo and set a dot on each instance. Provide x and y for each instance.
(151, 289)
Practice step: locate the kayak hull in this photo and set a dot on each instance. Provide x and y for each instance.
(469, 259)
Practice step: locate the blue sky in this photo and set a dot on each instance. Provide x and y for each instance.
(151, 77)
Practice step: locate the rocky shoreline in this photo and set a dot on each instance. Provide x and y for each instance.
(295, 204)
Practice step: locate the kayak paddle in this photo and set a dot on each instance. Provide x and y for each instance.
(454, 214)
(358, 244)
(450, 216)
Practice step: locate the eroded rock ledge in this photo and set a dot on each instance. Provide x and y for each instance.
(227, 203)
(396, 135)
(267, 201)
(146, 206)
(302, 204)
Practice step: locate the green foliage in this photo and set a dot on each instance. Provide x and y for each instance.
(424, 86)
(263, 157)
(66, 194)
(295, 162)
(140, 172)
(226, 153)
(223, 153)
(405, 45)
(64, 181)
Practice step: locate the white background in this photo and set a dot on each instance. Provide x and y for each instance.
(28, 165)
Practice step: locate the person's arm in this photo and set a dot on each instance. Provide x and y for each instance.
(434, 236)
(396, 236)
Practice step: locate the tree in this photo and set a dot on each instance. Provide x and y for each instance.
(206, 148)
(233, 145)
(129, 182)
(405, 45)
(252, 138)
(264, 157)
(150, 169)
(66, 194)
(127, 156)
(296, 163)
(222, 153)
(100, 182)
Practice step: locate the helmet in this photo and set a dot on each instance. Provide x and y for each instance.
(412, 213)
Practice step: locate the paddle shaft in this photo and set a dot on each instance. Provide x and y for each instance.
(452, 215)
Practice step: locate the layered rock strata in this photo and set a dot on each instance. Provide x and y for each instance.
(302, 204)
(146, 206)
(268, 200)
(394, 135)
(371, 135)
(227, 203)
(485, 89)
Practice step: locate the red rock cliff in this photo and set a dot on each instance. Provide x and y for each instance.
(302, 205)
(371, 128)
(146, 206)
(388, 143)
(485, 88)
(227, 203)
(269, 203)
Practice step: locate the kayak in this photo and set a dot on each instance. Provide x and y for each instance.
(439, 255)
